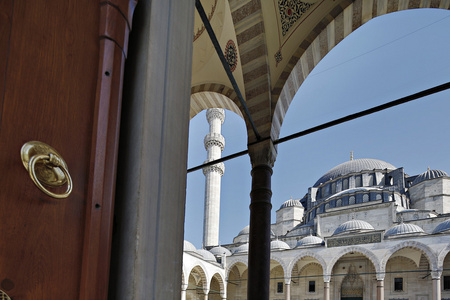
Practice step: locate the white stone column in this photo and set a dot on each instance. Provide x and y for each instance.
(147, 247)
(326, 287)
(183, 291)
(436, 278)
(214, 145)
(206, 292)
(287, 294)
(380, 286)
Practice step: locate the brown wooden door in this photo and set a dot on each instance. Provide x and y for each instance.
(61, 66)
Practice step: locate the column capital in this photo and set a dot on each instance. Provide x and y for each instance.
(380, 276)
(262, 153)
(436, 274)
(184, 287)
(326, 278)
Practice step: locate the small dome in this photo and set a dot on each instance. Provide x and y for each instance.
(291, 203)
(402, 229)
(444, 226)
(353, 226)
(309, 241)
(220, 251)
(208, 256)
(187, 246)
(278, 245)
(430, 174)
(245, 230)
(354, 166)
(241, 249)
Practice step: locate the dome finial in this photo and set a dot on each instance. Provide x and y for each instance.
(428, 168)
(351, 155)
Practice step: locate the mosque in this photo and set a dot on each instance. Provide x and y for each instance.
(112, 85)
(364, 230)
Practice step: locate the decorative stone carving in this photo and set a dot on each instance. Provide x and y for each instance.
(219, 168)
(214, 139)
(215, 113)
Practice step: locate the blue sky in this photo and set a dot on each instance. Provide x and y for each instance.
(389, 57)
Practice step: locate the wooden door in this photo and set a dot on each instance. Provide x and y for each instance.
(61, 66)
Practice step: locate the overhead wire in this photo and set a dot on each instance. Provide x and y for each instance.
(403, 100)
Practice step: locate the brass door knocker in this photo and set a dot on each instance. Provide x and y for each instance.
(46, 167)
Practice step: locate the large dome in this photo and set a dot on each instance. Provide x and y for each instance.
(354, 166)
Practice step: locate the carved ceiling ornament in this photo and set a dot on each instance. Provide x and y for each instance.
(231, 55)
(290, 12)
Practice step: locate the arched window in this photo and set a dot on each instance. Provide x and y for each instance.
(338, 202)
(351, 200)
(358, 182)
(345, 184)
(366, 198)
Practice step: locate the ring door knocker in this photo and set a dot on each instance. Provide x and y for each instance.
(46, 168)
(4, 296)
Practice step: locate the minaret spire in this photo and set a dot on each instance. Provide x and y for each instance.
(214, 145)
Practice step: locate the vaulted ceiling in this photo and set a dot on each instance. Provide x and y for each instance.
(271, 46)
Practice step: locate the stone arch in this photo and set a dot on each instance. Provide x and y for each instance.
(221, 282)
(305, 266)
(230, 267)
(328, 33)
(203, 274)
(441, 257)
(365, 252)
(213, 95)
(282, 264)
(430, 255)
(317, 257)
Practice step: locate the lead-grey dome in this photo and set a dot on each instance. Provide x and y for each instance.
(220, 251)
(241, 249)
(429, 174)
(354, 166)
(187, 246)
(310, 241)
(291, 203)
(353, 226)
(402, 229)
(208, 256)
(278, 245)
(444, 226)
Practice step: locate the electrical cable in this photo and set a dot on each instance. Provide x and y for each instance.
(418, 95)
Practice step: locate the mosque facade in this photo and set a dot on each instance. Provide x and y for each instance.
(364, 230)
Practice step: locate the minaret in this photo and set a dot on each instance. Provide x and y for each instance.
(214, 144)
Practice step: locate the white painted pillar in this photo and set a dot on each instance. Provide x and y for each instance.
(206, 291)
(380, 289)
(287, 294)
(183, 291)
(436, 278)
(326, 287)
(147, 247)
(380, 286)
(214, 145)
